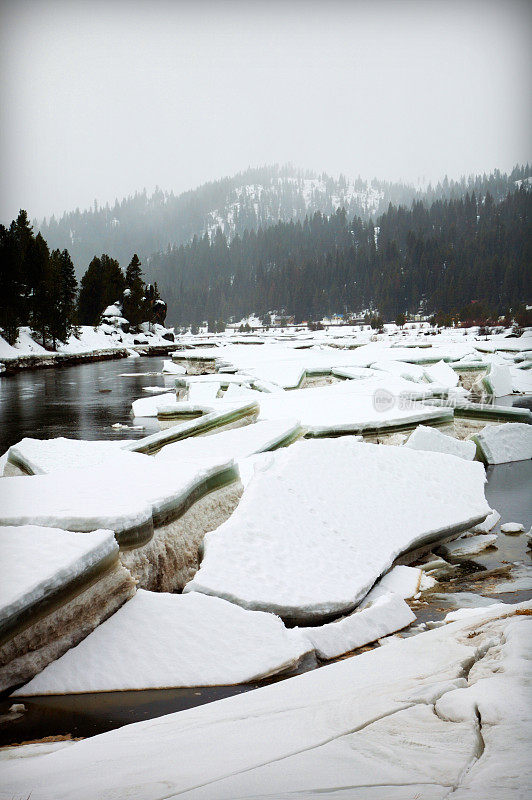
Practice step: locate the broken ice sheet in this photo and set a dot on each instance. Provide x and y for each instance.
(323, 519)
(160, 640)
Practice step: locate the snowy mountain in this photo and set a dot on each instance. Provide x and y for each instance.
(256, 198)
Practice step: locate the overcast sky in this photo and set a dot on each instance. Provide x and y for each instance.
(100, 99)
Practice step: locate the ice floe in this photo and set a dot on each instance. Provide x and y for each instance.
(323, 519)
(512, 527)
(237, 443)
(499, 444)
(489, 523)
(387, 614)
(469, 546)
(426, 438)
(40, 456)
(159, 515)
(159, 640)
(56, 587)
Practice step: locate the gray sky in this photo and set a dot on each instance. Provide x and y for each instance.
(100, 99)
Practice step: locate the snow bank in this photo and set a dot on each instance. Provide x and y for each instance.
(425, 438)
(499, 444)
(324, 519)
(159, 640)
(363, 728)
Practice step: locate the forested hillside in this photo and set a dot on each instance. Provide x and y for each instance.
(256, 198)
(438, 258)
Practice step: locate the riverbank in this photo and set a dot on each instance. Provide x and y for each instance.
(91, 344)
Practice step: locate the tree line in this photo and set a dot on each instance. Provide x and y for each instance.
(256, 198)
(411, 260)
(38, 288)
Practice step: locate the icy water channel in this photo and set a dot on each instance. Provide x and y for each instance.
(69, 402)
(79, 402)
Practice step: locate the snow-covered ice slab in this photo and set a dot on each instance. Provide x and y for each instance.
(324, 519)
(171, 368)
(497, 381)
(148, 406)
(386, 615)
(160, 640)
(225, 416)
(159, 514)
(56, 586)
(432, 440)
(469, 546)
(368, 406)
(489, 523)
(442, 374)
(398, 722)
(40, 456)
(402, 581)
(499, 444)
(237, 443)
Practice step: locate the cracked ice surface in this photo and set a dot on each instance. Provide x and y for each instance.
(159, 640)
(436, 715)
(322, 520)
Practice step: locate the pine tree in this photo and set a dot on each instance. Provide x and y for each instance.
(12, 289)
(133, 293)
(102, 284)
(43, 290)
(65, 290)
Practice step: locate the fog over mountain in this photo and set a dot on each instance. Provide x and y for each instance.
(101, 100)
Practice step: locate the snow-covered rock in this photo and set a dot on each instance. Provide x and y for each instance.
(159, 640)
(499, 444)
(433, 440)
(322, 520)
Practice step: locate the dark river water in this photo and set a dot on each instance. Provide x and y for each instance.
(70, 402)
(76, 401)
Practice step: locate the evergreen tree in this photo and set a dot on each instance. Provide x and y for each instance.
(12, 288)
(102, 284)
(65, 290)
(132, 307)
(42, 297)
